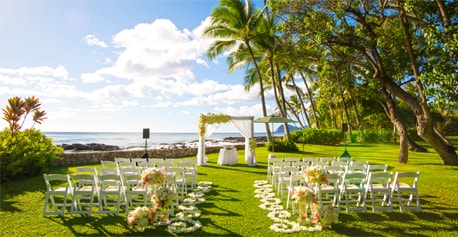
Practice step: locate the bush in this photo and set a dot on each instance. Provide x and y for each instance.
(317, 136)
(25, 154)
(283, 145)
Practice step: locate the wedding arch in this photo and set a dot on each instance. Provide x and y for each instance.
(208, 123)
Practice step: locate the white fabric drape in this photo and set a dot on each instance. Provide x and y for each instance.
(209, 130)
(245, 127)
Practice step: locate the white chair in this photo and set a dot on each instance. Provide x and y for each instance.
(295, 182)
(335, 169)
(175, 179)
(328, 159)
(302, 165)
(284, 177)
(406, 183)
(129, 170)
(135, 194)
(119, 159)
(109, 193)
(354, 185)
(320, 163)
(346, 159)
(270, 164)
(143, 165)
(352, 169)
(108, 164)
(329, 193)
(83, 190)
(57, 191)
(276, 167)
(310, 160)
(379, 189)
(377, 168)
(291, 160)
(103, 170)
(137, 161)
(87, 170)
(340, 163)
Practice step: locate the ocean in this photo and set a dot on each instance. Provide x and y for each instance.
(132, 139)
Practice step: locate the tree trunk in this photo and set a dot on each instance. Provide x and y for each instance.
(413, 146)
(283, 100)
(261, 90)
(425, 123)
(344, 105)
(390, 110)
(304, 110)
(311, 100)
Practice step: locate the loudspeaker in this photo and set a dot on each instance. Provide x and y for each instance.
(344, 127)
(145, 133)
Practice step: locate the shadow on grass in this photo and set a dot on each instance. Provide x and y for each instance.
(209, 222)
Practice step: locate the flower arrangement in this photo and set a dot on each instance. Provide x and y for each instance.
(315, 174)
(141, 217)
(326, 215)
(303, 195)
(153, 176)
(163, 197)
(211, 118)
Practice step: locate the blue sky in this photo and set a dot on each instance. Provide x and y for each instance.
(118, 65)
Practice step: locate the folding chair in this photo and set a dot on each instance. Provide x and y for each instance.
(270, 164)
(291, 160)
(346, 159)
(83, 190)
(320, 163)
(109, 193)
(335, 169)
(354, 185)
(406, 182)
(275, 168)
(328, 159)
(310, 160)
(377, 168)
(109, 164)
(329, 193)
(135, 194)
(352, 169)
(284, 179)
(103, 170)
(295, 182)
(379, 189)
(175, 179)
(57, 191)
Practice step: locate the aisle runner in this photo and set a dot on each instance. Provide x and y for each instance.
(183, 222)
(264, 192)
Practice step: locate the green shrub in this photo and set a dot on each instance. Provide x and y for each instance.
(317, 136)
(283, 145)
(25, 154)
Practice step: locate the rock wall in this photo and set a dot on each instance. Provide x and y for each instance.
(87, 157)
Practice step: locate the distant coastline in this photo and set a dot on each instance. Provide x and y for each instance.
(134, 141)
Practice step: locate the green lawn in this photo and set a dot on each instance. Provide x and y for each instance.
(232, 210)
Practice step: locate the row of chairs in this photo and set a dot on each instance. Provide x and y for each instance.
(281, 170)
(352, 190)
(142, 163)
(111, 188)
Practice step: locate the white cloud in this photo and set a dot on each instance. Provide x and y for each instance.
(92, 40)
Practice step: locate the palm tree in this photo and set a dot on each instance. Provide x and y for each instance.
(234, 22)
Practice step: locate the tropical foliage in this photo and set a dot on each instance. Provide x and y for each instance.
(364, 63)
(28, 152)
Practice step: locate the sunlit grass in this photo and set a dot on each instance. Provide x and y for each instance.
(232, 210)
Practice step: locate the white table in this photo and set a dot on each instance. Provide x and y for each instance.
(227, 156)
